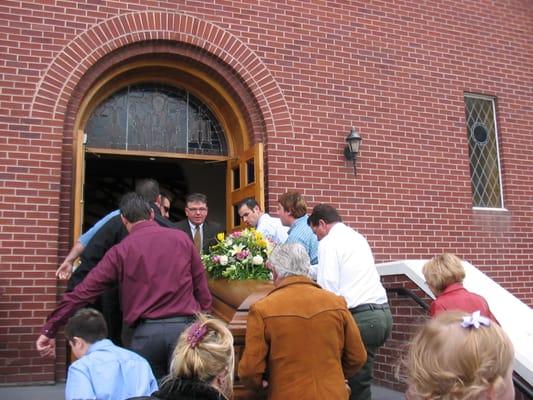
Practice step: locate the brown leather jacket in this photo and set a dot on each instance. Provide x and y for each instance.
(303, 341)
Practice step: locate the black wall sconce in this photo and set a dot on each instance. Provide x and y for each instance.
(352, 149)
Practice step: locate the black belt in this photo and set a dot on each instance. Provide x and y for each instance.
(369, 307)
(180, 318)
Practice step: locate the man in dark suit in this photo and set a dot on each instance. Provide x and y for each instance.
(203, 233)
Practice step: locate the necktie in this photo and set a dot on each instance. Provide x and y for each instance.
(198, 238)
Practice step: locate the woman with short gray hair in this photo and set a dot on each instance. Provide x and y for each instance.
(289, 259)
(296, 316)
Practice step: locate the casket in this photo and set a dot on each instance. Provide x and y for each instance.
(231, 302)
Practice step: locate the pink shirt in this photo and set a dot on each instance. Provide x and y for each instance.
(456, 298)
(159, 273)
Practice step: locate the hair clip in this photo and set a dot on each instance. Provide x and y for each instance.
(196, 333)
(475, 320)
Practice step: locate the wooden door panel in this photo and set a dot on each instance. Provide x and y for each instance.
(244, 178)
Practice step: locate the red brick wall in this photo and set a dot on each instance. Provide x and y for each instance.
(397, 70)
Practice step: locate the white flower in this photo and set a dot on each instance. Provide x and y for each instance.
(257, 260)
(223, 260)
(237, 249)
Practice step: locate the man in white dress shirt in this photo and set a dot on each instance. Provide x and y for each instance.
(253, 216)
(346, 268)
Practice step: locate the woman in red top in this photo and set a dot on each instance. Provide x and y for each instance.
(444, 275)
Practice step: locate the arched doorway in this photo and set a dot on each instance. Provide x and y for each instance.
(164, 118)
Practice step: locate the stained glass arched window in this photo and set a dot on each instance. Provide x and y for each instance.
(155, 117)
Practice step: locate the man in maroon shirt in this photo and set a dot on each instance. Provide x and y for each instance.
(161, 280)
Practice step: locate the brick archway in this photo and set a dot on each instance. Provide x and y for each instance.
(58, 84)
(63, 84)
(78, 65)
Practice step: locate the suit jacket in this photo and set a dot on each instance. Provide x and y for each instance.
(303, 341)
(162, 221)
(209, 232)
(111, 233)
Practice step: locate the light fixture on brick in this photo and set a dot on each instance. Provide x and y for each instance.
(352, 149)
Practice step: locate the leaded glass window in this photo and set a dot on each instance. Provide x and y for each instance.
(483, 150)
(154, 117)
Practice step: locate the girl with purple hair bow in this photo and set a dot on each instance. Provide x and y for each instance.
(202, 363)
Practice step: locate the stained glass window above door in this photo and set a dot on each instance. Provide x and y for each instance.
(154, 117)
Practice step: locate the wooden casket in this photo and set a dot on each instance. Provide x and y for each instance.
(231, 302)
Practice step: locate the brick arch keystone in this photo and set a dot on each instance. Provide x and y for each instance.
(67, 69)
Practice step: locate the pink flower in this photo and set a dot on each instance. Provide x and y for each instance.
(215, 259)
(242, 255)
(236, 234)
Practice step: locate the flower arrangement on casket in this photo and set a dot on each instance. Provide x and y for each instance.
(239, 256)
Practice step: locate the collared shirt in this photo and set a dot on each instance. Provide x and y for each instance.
(159, 274)
(302, 233)
(346, 267)
(109, 372)
(193, 232)
(272, 228)
(456, 298)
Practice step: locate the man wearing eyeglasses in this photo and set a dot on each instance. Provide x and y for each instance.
(202, 232)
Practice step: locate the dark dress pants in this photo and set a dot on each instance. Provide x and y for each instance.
(375, 327)
(110, 301)
(155, 341)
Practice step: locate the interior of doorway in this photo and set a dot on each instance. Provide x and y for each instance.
(108, 177)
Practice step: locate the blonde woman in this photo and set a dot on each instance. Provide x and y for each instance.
(202, 363)
(444, 275)
(460, 356)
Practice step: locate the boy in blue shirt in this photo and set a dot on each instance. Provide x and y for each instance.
(103, 371)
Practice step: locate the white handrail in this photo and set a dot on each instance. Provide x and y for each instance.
(515, 317)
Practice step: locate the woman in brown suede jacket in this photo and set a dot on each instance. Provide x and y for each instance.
(301, 340)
